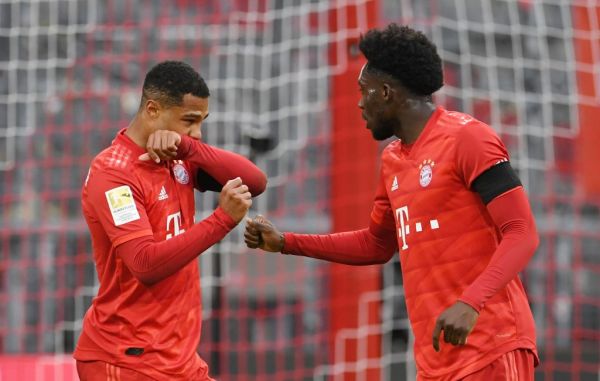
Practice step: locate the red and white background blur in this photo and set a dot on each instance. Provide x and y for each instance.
(282, 74)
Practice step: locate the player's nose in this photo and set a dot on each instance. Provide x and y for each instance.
(196, 132)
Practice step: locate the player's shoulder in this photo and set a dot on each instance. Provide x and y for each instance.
(117, 157)
(464, 126)
(116, 161)
(392, 152)
(456, 122)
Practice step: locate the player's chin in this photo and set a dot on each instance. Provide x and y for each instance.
(379, 135)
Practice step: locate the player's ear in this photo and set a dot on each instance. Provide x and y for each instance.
(152, 108)
(388, 92)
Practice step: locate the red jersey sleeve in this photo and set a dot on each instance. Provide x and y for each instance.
(382, 213)
(374, 245)
(151, 261)
(478, 148)
(370, 246)
(117, 201)
(512, 214)
(219, 166)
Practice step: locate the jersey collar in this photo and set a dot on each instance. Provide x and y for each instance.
(126, 141)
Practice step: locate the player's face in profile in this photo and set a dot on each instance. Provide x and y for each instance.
(373, 108)
(187, 118)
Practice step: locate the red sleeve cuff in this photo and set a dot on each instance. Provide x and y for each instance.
(184, 147)
(466, 300)
(289, 243)
(224, 218)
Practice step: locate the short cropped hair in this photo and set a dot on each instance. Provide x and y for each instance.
(406, 55)
(169, 81)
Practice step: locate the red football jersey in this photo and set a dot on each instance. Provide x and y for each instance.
(124, 198)
(446, 238)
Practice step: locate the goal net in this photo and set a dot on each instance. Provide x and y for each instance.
(282, 75)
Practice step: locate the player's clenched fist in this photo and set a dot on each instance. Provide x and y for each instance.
(261, 233)
(235, 199)
(161, 145)
(456, 322)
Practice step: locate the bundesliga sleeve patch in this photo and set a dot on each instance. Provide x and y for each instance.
(121, 205)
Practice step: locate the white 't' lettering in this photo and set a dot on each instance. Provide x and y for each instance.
(402, 215)
(176, 218)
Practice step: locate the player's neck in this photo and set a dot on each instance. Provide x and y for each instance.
(136, 132)
(414, 121)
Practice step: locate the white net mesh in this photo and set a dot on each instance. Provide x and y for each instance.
(513, 64)
(37, 45)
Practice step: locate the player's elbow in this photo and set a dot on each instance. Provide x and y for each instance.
(382, 243)
(533, 240)
(529, 236)
(137, 257)
(258, 183)
(147, 279)
(384, 256)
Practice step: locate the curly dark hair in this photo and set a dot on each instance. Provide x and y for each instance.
(168, 81)
(406, 55)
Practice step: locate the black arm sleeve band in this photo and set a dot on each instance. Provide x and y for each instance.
(206, 182)
(497, 180)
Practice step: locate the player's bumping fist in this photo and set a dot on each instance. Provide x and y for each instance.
(261, 233)
(235, 199)
(161, 145)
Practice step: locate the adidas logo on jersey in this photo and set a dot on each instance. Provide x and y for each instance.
(163, 194)
(395, 184)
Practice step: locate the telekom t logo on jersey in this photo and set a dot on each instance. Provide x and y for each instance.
(176, 219)
(403, 221)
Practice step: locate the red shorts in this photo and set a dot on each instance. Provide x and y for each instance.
(512, 366)
(102, 371)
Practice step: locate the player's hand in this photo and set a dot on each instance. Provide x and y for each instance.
(261, 233)
(235, 199)
(457, 322)
(161, 145)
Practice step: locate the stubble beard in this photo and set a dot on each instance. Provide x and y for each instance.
(384, 128)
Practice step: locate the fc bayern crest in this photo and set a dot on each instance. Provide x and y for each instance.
(181, 174)
(426, 173)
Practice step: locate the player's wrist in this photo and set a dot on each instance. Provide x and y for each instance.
(184, 148)
(281, 243)
(288, 243)
(224, 218)
(474, 305)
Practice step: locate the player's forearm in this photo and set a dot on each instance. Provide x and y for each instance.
(150, 261)
(512, 214)
(361, 247)
(217, 166)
